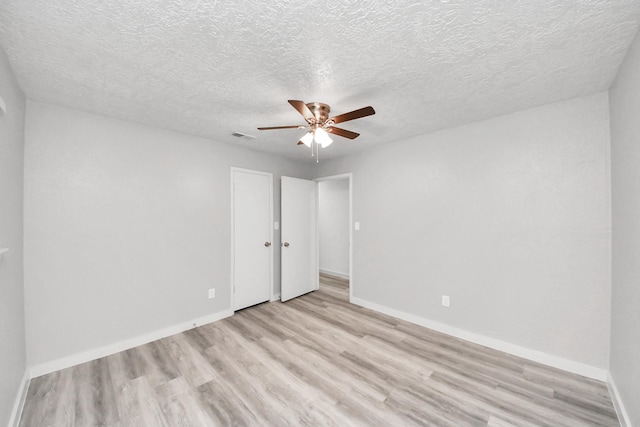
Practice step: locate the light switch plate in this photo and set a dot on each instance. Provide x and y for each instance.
(356, 226)
(276, 225)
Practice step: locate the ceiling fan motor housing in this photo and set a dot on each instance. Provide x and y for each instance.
(320, 111)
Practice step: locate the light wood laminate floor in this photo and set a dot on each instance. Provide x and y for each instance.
(315, 360)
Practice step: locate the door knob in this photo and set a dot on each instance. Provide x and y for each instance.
(285, 244)
(267, 244)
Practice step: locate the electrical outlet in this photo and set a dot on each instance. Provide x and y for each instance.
(445, 301)
(212, 293)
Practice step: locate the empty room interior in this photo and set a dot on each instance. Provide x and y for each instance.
(319, 213)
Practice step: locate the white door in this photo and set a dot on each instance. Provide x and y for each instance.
(299, 234)
(251, 227)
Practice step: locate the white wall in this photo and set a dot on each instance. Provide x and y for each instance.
(509, 217)
(333, 226)
(625, 164)
(126, 227)
(12, 330)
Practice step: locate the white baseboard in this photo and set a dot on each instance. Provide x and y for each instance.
(97, 353)
(526, 353)
(21, 397)
(334, 273)
(621, 411)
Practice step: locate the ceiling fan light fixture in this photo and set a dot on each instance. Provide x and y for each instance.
(323, 138)
(307, 139)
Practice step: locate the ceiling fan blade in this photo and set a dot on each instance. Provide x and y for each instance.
(302, 109)
(355, 114)
(342, 132)
(283, 127)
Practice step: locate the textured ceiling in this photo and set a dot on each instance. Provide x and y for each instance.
(213, 67)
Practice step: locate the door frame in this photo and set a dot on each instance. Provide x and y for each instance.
(348, 176)
(234, 169)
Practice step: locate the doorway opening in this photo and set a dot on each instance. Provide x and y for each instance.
(335, 234)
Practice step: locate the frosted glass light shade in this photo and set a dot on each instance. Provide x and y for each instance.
(307, 139)
(322, 138)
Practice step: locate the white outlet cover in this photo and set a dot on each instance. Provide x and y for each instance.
(446, 301)
(212, 293)
(276, 225)
(356, 226)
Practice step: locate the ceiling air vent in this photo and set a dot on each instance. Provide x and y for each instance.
(243, 135)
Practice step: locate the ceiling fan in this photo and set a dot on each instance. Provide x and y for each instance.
(320, 125)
